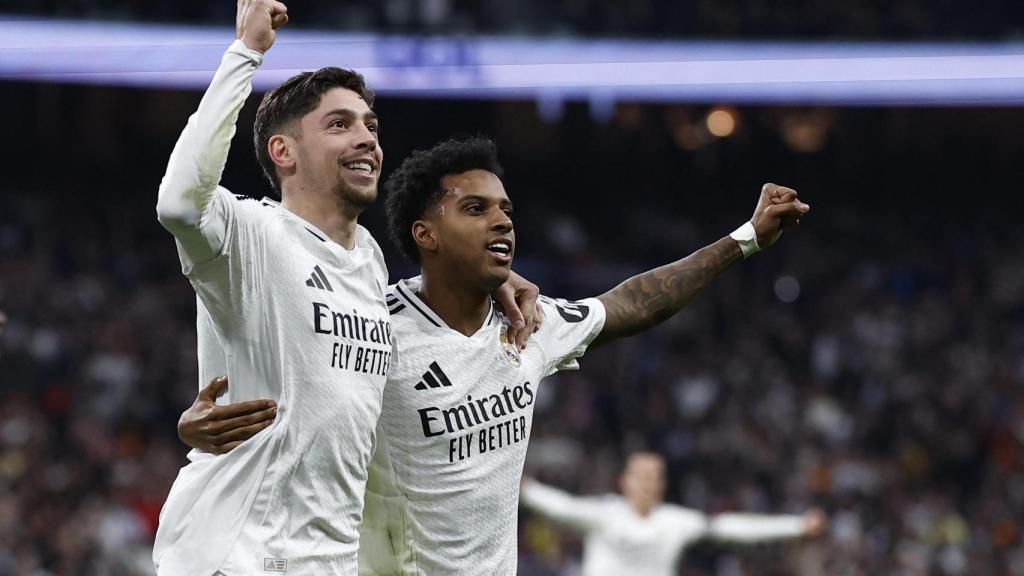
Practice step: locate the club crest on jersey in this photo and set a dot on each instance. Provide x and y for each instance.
(509, 350)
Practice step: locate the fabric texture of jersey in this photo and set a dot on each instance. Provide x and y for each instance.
(289, 315)
(443, 492)
(619, 541)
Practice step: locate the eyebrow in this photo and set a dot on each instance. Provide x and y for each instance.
(371, 115)
(504, 202)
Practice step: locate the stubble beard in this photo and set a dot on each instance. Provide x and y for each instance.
(357, 199)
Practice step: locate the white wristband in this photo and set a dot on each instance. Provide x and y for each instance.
(746, 237)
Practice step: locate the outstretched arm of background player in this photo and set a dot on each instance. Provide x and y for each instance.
(650, 298)
(558, 506)
(753, 528)
(210, 427)
(198, 159)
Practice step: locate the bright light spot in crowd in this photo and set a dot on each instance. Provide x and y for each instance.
(721, 122)
(787, 289)
(806, 131)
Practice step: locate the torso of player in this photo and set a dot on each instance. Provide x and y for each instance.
(627, 543)
(456, 420)
(303, 321)
(313, 329)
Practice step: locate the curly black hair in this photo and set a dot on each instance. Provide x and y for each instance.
(416, 186)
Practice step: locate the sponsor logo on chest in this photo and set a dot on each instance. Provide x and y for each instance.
(360, 342)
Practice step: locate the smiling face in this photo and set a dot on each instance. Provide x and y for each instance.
(469, 230)
(335, 148)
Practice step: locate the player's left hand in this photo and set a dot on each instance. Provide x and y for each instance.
(518, 298)
(778, 209)
(815, 523)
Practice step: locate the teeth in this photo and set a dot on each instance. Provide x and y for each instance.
(502, 247)
(361, 166)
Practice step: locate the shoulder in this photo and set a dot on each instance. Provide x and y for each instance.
(569, 311)
(244, 202)
(679, 514)
(402, 310)
(366, 240)
(243, 209)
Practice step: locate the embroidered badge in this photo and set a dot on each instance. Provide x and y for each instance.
(509, 348)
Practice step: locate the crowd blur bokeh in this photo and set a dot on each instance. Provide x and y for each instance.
(851, 19)
(871, 363)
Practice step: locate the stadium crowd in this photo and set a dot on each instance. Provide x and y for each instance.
(751, 19)
(872, 364)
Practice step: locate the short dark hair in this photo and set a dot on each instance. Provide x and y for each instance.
(296, 97)
(416, 186)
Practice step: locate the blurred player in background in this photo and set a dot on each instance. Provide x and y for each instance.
(458, 407)
(639, 534)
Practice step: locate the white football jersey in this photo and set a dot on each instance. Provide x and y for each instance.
(617, 540)
(443, 492)
(289, 315)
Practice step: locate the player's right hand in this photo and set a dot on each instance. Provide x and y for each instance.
(257, 21)
(220, 429)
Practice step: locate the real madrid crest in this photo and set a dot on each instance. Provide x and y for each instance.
(509, 350)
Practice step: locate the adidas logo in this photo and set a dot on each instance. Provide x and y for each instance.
(319, 280)
(433, 378)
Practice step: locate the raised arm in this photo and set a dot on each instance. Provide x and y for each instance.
(198, 159)
(753, 528)
(648, 299)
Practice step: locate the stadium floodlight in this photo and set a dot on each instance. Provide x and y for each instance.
(548, 69)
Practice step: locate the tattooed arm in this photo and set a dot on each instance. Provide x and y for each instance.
(648, 299)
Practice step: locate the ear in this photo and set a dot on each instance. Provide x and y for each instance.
(424, 235)
(281, 150)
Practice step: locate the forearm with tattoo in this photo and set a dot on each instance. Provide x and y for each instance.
(648, 299)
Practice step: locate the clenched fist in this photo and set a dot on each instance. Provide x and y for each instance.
(778, 209)
(257, 22)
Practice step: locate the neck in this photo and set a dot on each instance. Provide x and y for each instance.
(642, 511)
(325, 211)
(461, 305)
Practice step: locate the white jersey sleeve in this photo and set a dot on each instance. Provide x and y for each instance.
(751, 528)
(567, 330)
(188, 204)
(579, 514)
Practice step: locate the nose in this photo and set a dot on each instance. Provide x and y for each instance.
(502, 223)
(365, 139)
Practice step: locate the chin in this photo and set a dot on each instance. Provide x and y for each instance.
(361, 196)
(493, 278)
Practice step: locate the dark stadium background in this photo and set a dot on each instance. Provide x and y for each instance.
(871, 363)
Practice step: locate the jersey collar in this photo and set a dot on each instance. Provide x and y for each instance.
(408, 291)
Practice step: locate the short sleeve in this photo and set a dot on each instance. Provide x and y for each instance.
(568, 328)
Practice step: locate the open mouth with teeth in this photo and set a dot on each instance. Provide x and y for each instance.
(361, 167)
(501, 249)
